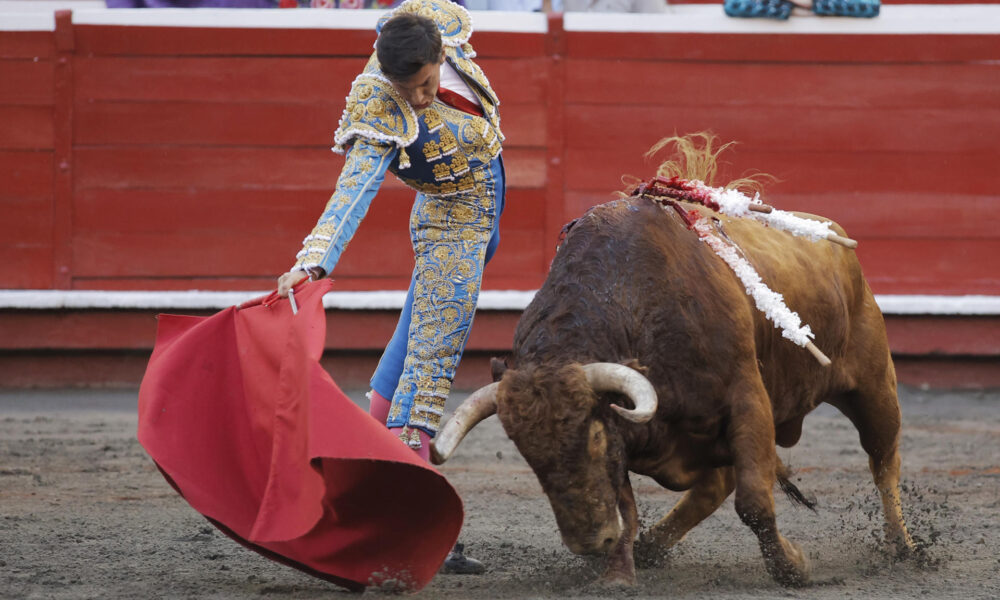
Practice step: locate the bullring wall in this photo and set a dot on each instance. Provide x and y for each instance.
(181, 150)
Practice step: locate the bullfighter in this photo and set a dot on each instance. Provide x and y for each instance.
(423, 110)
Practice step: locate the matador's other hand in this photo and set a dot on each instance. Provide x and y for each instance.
(290, 280)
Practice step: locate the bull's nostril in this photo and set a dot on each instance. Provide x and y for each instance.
(608, 541)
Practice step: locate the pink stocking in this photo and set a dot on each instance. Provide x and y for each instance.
(378, 408)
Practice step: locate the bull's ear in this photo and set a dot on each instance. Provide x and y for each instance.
(633, 363)
(498, 366)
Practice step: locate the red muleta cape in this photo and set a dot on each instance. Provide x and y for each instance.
(242, 420)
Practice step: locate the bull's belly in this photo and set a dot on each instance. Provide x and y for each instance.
(679, 471)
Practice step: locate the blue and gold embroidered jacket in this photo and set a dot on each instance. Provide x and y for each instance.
(439, 152)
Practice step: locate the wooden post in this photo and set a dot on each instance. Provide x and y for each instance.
(555, 139)
(62, 131)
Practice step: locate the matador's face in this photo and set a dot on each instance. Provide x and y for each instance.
(420, 89)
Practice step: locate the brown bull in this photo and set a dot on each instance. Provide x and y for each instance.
(709, 386)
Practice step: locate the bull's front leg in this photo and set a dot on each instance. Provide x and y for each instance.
(751, 437)
(707, 494)
(620, 568)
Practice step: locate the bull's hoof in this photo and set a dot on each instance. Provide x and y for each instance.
(616, 580)
(650, 555)
(901, 546)
(790, 566)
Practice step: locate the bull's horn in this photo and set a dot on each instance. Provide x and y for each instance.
(613, 377)
(481, 404)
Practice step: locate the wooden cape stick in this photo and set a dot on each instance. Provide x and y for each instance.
(820, 357)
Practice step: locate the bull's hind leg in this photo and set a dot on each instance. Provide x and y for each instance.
(875, 414)
(704, 497)
(751, 439)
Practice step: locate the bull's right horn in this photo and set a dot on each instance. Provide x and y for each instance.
(481, 404)
(613, 377)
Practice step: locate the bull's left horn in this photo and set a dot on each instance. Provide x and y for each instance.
(613, 377)
(481, 404)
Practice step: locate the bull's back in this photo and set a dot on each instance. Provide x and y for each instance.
(632, 280)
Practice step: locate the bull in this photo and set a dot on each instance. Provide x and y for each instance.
(643, 353)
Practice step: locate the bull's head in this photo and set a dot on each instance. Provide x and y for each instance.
(568, 436)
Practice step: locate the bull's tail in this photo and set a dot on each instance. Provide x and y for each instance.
(784, 475)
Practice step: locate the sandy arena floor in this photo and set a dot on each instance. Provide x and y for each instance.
(84, 514)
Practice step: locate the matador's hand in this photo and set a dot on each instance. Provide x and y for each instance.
(290, 280)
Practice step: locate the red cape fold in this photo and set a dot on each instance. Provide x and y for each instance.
(242, 420)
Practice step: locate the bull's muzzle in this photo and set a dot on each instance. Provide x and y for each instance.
(600, 541)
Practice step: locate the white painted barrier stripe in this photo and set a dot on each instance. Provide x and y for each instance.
(393, 300)
(957, 19)
(27, 22)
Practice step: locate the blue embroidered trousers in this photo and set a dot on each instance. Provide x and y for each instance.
(453, 238)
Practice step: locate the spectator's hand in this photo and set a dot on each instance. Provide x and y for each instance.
(290, 280)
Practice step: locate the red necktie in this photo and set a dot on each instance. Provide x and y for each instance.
(459, 101)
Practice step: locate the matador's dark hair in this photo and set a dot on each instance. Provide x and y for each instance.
(406, 43)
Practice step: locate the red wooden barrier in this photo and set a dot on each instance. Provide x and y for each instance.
(138, 157)
(175, 157)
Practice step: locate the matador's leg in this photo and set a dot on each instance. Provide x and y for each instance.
(450, 239)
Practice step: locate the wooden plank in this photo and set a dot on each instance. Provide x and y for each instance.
(44, 369)
(225, 283)
(174, 167)
(519, 258)
(221, 41)
(517, 81)
(788, 85)
(77, 329)
(290, 212)
(259, 210)
(370, 330)
(266, 78)
(26, 44)
(948, 373)
(26, 127)
(784, 48)
(808, 172)
(26, 81)
(934, 335)
(524, 209)
(213, 124)
(26, 266)
(952, 266)
(508, 44)
(225, 79)
(26, 223)
(239, 123)
(523, 125)
(209, 41)
(219, 253)
(899, 215)
(221, 242)
(948, 130)
(25, 175)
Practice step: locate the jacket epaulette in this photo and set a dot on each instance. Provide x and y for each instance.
(375, 111)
